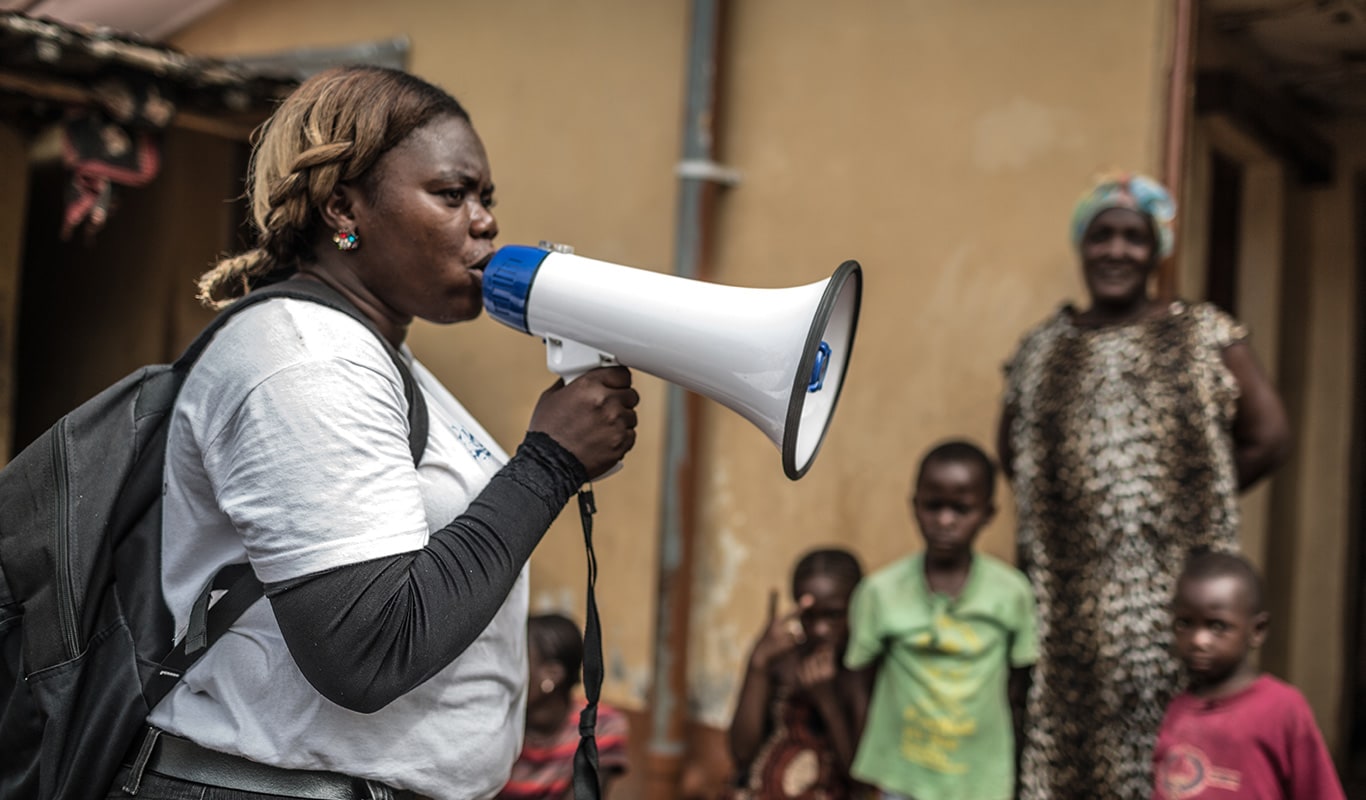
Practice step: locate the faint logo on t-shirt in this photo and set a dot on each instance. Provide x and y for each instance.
(475, 447)
(1187, 771)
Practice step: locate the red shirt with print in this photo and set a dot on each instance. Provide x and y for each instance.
(1259, 743)
(545, 770)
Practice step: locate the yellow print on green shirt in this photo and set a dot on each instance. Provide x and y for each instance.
(930, 735)
(948, 636)
(932, 741)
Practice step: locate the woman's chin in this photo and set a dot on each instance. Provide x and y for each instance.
(1117, 296)
(459, 312)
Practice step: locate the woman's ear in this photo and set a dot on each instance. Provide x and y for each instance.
(338, 211)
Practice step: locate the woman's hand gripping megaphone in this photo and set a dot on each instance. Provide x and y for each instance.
(592, 416)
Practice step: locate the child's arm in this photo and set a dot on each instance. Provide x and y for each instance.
(846, 710)
(1018, 692)
(863, 658)
(749, 726)
(1020, 679)
(819, 675)
(1023, 653)
(1005, 450)
(861, 696)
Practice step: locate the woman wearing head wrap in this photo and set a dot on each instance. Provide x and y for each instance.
(1128, 429)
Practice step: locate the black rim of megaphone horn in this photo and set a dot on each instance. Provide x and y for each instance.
(833, 289)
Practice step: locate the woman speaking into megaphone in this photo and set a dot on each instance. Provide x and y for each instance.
(391, 649)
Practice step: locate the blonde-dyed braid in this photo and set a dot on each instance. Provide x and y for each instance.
(283, 222)
(331, 130)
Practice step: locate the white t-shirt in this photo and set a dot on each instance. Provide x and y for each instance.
(288, 447)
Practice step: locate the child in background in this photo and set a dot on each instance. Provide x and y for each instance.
(545, 769)
(947, 630)
(793, 735)
(1234, 733)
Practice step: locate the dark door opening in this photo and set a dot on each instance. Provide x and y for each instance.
(1225, 232)
(94, 308)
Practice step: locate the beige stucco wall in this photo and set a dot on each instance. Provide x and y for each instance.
(940, 143)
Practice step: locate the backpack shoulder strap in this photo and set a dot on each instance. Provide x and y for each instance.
(321, 293)
(241, 585)
(206, 626)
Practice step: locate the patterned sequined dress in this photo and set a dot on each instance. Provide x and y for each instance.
(1123, 462)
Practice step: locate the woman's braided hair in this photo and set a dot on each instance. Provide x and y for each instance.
(329, 131)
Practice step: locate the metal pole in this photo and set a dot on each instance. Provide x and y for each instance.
(1174, 155)
(677, 524)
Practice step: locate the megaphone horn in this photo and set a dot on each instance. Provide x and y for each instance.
(777, 357)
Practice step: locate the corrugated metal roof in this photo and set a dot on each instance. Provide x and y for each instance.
(46, 66)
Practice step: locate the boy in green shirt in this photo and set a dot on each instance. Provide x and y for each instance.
(947, 629)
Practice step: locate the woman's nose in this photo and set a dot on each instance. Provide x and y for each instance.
(483, 223)
(1116, 247)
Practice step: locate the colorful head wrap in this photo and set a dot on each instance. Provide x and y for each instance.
(1135, 192)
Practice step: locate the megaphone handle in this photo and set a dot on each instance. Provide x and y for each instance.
(570, 360)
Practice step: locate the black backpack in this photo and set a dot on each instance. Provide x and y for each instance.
(85, 633)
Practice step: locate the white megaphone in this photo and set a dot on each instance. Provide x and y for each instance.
(775, 356)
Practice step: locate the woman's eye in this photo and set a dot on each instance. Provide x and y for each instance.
(454, 195)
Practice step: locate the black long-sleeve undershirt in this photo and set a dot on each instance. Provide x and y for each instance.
(365, 634)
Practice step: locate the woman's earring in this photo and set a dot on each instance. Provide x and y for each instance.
(547, 686)
(346, 240)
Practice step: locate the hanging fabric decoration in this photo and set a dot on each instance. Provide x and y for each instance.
(113, 143)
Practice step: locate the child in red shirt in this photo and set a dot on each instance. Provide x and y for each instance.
(1234, 733)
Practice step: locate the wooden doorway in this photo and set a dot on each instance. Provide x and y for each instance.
(1354, 692)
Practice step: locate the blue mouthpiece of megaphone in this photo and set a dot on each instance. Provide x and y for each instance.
(507, 283)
